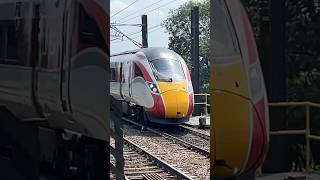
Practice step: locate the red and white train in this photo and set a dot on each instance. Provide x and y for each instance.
(154, 84)
(53, 73)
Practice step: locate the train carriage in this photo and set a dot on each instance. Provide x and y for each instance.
(53, 59)
(154, 84)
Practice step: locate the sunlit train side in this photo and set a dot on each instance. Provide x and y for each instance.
(52, 81)
(154, 83)
(238, 96)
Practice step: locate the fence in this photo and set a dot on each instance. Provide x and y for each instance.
(306, 131)
(203, 103)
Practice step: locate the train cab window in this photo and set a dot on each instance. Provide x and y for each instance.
(224, 43)
(167, 70)
(137, 71)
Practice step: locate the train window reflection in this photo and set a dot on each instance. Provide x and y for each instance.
(223, 44)
(167, 70)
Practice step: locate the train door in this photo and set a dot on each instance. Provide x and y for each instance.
(131, 74)
(126, 78)
(49, 40)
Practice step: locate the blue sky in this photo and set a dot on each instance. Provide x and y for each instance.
(158, 37)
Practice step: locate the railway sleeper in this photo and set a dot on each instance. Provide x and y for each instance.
(152, 176)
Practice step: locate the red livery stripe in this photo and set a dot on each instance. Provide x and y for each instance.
(144, 71)
(251, 43)
(158, 108)
(191, 106)
(259, 137)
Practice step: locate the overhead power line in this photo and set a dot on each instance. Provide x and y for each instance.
(148, 28)
(121, 34)
(121, 24)
(139, 10)
(124, 8)
(150, 10)
(135, 37)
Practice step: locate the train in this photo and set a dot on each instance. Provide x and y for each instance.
(240, 120)
(54, 110)
(154, 85)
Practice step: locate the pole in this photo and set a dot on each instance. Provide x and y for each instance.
(274, 70)
(144, 31)
(195, 52)
(307, 138)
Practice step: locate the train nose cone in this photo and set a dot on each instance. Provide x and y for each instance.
(176, 103)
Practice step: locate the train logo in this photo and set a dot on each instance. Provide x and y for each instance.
(154, 83)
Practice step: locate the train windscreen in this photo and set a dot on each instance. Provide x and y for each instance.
(167, 70)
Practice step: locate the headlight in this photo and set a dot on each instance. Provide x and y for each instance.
(153, 87)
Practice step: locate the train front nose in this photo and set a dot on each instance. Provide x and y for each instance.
(176, 101)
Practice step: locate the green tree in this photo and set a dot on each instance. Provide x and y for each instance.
(178, 25)
(302, 49)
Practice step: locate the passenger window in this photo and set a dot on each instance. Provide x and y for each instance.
(113, 74)
(2, 42)
(12, 44)
(11, 37)
(224, 43)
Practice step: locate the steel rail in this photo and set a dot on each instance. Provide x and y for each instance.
(170, 137)
(197, 133)
(157, 161)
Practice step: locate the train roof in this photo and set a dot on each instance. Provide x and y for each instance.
(153, 53)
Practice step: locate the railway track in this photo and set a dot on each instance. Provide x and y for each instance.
(141, 164)
(178, 153)
(196, 141)
(191, 135)
(198, 132)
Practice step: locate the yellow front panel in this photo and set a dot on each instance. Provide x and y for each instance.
(231, 128)
(230, 77)
(230, 117)
(175, 98)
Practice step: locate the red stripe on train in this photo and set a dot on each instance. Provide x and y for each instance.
(144, 71)
(251, 43)
(158, 108)
(259, 137)
(191, 105)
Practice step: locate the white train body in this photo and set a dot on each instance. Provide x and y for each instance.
(156, 79)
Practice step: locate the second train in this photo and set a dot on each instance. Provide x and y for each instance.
(154, 85)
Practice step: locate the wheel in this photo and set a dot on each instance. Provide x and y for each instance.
(142, 116)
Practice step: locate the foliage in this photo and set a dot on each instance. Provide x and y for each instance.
(302, 50)
(178, 25)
